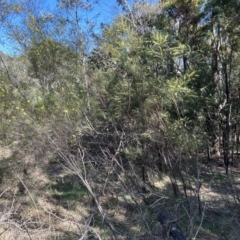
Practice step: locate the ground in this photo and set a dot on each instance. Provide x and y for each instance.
(41, 199)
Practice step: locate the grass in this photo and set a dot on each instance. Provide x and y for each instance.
(69, 190)
(62, 207)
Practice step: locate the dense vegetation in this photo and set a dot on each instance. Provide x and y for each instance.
(127, 121)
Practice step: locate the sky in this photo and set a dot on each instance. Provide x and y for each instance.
(105, 9)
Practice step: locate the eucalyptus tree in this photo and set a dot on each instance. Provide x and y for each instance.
(220, 24)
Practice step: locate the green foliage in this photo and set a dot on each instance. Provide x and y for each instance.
(143, 75)
(48, 59)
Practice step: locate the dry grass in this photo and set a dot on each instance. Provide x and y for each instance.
(41, 200)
